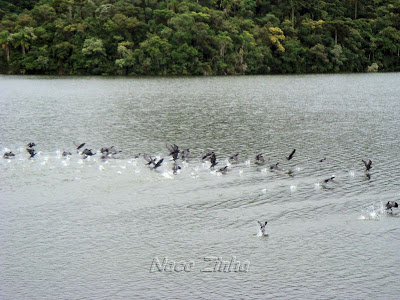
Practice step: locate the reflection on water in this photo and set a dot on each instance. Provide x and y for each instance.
(90, 228)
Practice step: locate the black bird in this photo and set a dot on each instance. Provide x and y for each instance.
(291, 155)
(31, 145)
(105, 149)
(368, 165)
(322, 160)
(173, 151)
(332, 179)
(234, 159)
(79, 146)
(260, 160)
(262, 227)
(65, 153)
(185, 153)
(8, 154)
(213, 160)
(206, 155)
(158, 164)
(109, 152)
(31, 152)
(172, 148)
(275, 167)
(390, 205)
(223, 170)
(175, 169)
(149, 159)
(87, 152)
(105, 156)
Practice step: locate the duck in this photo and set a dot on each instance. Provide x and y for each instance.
(262, 228)
(158, 164)
(234, 159)
(87, 152)
(390, 205)
(331, 179)
(173, 151)
(8, 154)
(66, 153)
(185, 154)
(175, 169)
(149, 159)
(31, 152)
(368, 165)
(213, 160)
(275, 167)
(109, 152)
(206, 155)
(223, 170)
(260, 160)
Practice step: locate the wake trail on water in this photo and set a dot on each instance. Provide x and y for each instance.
(375, 212)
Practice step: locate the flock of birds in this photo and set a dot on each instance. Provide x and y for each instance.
(184, 154)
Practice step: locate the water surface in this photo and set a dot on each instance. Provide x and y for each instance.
(74, 228)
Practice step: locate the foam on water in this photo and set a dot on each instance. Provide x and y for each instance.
(373, 212)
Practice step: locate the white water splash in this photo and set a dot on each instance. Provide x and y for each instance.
(373, 212)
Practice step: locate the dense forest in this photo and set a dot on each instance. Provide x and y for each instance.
(198, 37)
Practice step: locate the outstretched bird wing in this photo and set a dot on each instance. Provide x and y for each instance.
(158, 163)
(79, 146)
(148, 158)
(169, 147)
(291, 154)
(206, 155)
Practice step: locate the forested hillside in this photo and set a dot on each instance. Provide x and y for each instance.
(203, 37)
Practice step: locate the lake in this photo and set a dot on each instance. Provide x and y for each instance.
(74, 228)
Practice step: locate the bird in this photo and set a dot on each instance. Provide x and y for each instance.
(149, 159)
(260, 160)
(66, 153)
(223, 170)
(31, 152)
(234, 159)
(291, 154)
(105, 149)
(368, 165)
(390, 205)
(175, 169)
(31, 145)
(9, 154)
(331, 179)
(262, 228)
(158, 164)
(109, 152)
(185, 153)
(213, 160)
(275, 167)
(173, 151)
(79, 146)
(87, 152)
(138, 155)
(206, 155)
(322, 160)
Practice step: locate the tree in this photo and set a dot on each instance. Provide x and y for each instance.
(5, 41)
(23, 38)
(95, 53)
